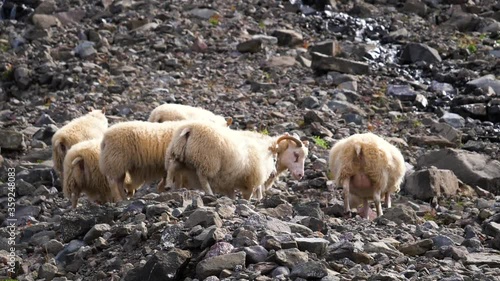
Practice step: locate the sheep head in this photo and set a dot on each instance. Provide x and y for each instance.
(292, 155)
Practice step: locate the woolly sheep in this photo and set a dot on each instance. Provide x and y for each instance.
(82, 174)
(223, 159)
(176, 112)
(367, 167)
(136, 149)
(89, 126)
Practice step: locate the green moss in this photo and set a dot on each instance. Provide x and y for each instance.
(320, 142)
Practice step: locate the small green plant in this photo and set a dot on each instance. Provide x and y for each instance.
(472, 48)
(267, 76)
(301, 123)
(8, 74)
(265, 132)
(4, 47)
(214, 20)
(262, 25)
(320, 142)
(428, 216)
(417, 124)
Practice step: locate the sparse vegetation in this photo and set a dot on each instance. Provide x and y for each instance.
(320, 142)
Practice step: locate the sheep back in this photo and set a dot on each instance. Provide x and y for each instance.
(86, 127)
(136, 147)
(176, 112)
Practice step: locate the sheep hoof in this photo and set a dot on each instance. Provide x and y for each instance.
(347, 214)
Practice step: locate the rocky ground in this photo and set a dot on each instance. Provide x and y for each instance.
(424, 74)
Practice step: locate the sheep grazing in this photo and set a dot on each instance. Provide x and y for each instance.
(82, 175)
(368, 168)
(136, 149)
(89, 126)
(176, 112)
(223, 159)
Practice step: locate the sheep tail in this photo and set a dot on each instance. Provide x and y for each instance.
(358, 149)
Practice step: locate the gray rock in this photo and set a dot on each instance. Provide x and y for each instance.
(491, 259)
(219, 249)
(204, 217)
(416, 52)
(453, 119)
(442, 240)
(202, 13)
(53, 246)
(45, 21)
(310, 269)
(417, 248)
(22, 75)
(214, 265)
(486, 82)
(23, 188)
(85, 49)
(74, 225)
(288, 38)
(402, 92)
(381, 247)
(491, 228)
(96, 231)
(280, 270)
(290, 257)
(313, 245)
(345, 107)
(250, 46)
(416, 6)
(256, 254)
(470, 167)
(328, 48)
(322, 62)
(400, 214)
(310, 209)
(47, 271)
(12, 140)
(447, 132)
(161, 266)
(426, 184)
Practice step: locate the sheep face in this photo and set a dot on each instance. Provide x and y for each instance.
(294, 155)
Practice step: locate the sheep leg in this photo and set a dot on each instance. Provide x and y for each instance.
(364, 212)
(378, 203)
(161, 185)
(347, 208)
(120, 184)
(205, 186)
(247, 193)
(387, 200)
(74, 199)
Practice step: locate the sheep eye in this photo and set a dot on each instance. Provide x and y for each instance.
(296, 154)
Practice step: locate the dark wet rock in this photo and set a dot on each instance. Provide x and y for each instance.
(310, 269)
(417, 52)
(328, 48)
(417, 248)
(161, 266)
(74, 225)
(250, 46)
(12, 140)
(289, 38)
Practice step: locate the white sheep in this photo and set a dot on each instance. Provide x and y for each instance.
(136, 150)
(223, 159)
(367, 167)
(177, 112)
(82, 175)
(89, 126)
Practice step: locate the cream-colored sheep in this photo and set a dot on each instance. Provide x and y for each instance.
(367, 167)
(136, 149)
(82, 175)
(223, 159)
(176, 112)
(89, 126)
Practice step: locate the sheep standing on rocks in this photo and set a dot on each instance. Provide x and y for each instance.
(136, 149)
(177, 112)
(89, 126)
(367, 167)
(82, 174)
(223, 159)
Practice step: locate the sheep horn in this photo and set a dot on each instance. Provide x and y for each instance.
(288, 137)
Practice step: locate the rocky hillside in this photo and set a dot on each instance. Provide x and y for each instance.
(422, 73)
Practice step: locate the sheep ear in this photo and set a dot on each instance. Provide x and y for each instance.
(305, 142)
(229, 121)
(103, 110)
(78, 161)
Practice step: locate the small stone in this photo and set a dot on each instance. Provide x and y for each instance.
(288, 38)
(47, 271)
(250, 46)
(214, 265)
(291, 257)
(310, 269)
(203, 217)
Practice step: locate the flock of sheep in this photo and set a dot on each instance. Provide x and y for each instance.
(190, 147)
